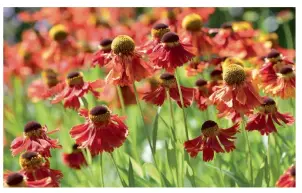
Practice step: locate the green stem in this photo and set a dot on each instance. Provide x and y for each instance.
(268, 160)
(248, 149)
(172, 115)
(102, 170)
(121, 98)
(182, 104)
(288, 35)
(118, 172)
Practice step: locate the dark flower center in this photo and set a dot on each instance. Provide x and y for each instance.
(226, 25)
(75, 146)
(99, 114)
(105, 44)
(58, 33)
(170, 37)
(273, 54)
(75, 78)
(293, 171)
(168, 80)
(167, 76)
(14, 179)
(286, 70)
(210, 128)
(159, 30)
(216, 74)
(268, 106)
(32, 126)
(268, 101)
(30, 160)
(29, 155)
(200, 83)
(49, 77)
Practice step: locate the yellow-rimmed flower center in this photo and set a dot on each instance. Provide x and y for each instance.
(30, 161)
(216, 75)
(75, 78)
(58, 32)
(192, 22)
(274, 56)
(241, 26)
(169, 14)
(201, 84)
(123, 44)
(159, 30)
(233, 74)
(210, 129)
(286, 72)
(33, 129)
(168, 80)
(170, 39)
(15, 180)
(49, 78)
(105, 44)
(268, 106)
(99, 114)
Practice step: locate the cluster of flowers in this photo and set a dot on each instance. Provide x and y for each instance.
(128, 54)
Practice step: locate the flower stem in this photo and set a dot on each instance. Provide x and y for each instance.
(288, 35)
(121, 98)
(268, 160)
(172, 115)
(182, 104)
(248, 149)
(118, 172)
(102, 170)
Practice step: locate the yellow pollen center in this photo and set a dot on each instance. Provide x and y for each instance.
(103, 118)
(34, 133)
(192, 22)
(233, 74)
(49, 77)
(158, 33)
(269, 108)
(210, 131)
(123, 44)
(170, 83)
(33, 163)
(74, 81)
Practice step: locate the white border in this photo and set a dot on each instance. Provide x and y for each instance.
(167, 3)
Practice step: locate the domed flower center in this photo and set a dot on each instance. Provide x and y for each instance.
(233, 74)
(287, 71)
(170, 14)
(99, 114)
(168, 80)
(274, 56)
(241, 26)
(75, 148)
(159, 30)
(15, 180)
(192, 22)
(105, 44)
(58, 33)
(201, 83)
(75, 79)
(123, 45)
(210, 128)
(30, 160)
(32, 129)
(293, 171)
(216, 75)
(49, 78)
(170, 39)
(268, 106)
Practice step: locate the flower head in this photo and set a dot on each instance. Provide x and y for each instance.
(267, 115)
(288, 179)
(35, 139)
(212, 139)
(168, 83)
(102, 131)
(16, 179)
(101, 57)
(171, 52)
(35, 167)
(202, 93)
(75, 159)
(126, 65)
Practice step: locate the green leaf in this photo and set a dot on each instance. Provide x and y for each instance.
(155, 129)
(131, 175)
(152, 172)
(137, 167)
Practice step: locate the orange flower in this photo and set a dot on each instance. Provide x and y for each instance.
(127, 64)
(208, 141)
(288, 179)
(168, 82)
(237, 93)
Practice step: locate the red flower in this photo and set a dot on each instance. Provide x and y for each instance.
(171, 53)
(157, 32)
(18, 180)
(195, 35)
(35, 139)
(168, 82)
(102, 131)
(288, 179)
(73, 89)
(35, 167)
(75, 159)
(202, 94)
(203, 12)
(237, 93)
(39, 88)
(264, 120)
(127, 64)
(208, 142)
(99, 58)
